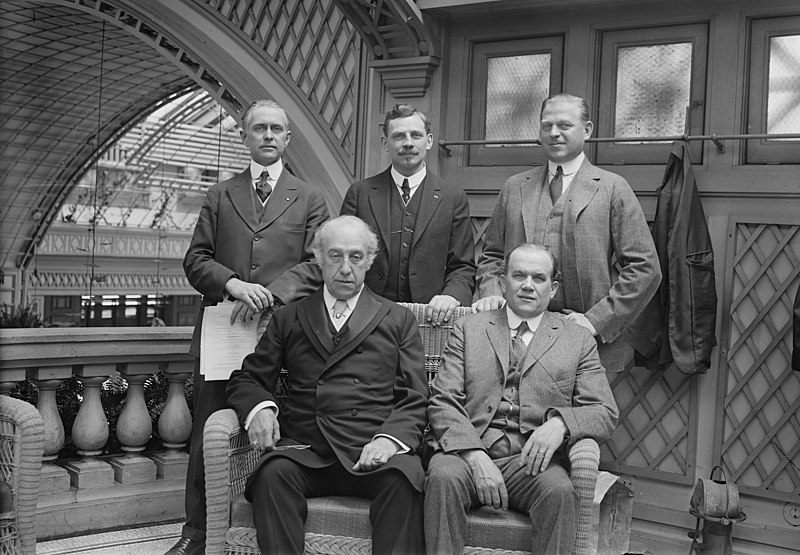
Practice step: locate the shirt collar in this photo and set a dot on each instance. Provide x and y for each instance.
(330, 300)
(514, 321)
(569, 167)
(413, 180)
(275, 170)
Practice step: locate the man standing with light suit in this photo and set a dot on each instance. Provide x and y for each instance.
(589, 219)
(251, 245)
(427, 253)
(355, 405)
(518, 386)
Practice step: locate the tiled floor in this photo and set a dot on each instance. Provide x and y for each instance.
(153, 540)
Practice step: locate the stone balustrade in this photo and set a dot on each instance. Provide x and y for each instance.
(94, 491)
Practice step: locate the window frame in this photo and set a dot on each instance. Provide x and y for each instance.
(480, 53)
(762, 151)
(655, 153)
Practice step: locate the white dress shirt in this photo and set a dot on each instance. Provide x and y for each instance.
(414, 181)
(275, 170)
(569, 170)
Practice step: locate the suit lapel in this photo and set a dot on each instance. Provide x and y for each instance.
(498, 335)
(581, 191)
(363, 320)
(284, 194)
(429, 203)
(542, 341)
(313, 319)
(531, 191)
(382, 187)
(242, 197)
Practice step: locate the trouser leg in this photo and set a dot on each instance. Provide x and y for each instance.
(449, 494)
(279, 492)
(551, 501)
(396, 513)
(209, 397)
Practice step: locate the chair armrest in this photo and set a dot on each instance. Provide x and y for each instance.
(21, 422)
(220, 431)
(584, 458)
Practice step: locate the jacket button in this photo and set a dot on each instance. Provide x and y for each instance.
(381, 276)
(321, 382)
(319, 413)
(253, 266)
(360, 349)
(356, 380)
(354, 412)
(256, 238)
(489, 408)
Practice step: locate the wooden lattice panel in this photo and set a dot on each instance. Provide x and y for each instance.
(655, 434)
(316, 49)
(761, 394)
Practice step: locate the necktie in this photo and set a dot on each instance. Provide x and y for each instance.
(263, 188)
(557, 184)
(339, 308)
(406, 191)
(518, 347)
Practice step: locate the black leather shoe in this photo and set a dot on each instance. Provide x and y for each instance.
(186, 546)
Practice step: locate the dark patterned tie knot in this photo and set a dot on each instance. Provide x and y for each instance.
(557, 184)
(406, 191)
(263, 188)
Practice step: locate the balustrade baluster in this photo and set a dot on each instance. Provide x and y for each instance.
(135, 427)
(175, 423)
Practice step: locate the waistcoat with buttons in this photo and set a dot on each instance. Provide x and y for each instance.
(503, 432)
(402, 219)
(547, 232)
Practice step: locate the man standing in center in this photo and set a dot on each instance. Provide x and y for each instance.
(426, 250)
(589, 219)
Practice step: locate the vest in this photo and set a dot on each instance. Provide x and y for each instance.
(402, 219)
(503, 432)
(547, 232)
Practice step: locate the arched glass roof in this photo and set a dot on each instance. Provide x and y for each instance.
(156, 174)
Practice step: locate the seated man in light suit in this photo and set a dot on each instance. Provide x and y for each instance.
(355, 409)
(518, 386)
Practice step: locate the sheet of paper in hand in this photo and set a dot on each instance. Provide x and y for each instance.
(223, 345)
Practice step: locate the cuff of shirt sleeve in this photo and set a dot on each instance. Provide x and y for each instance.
(258, 407)
(403, 448)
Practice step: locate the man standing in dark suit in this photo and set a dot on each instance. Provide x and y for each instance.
(355, 409)
(427, 253)
(540, 376)
(589, 219)
(252, 245)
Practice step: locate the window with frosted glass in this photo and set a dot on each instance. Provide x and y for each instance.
(783, 97)
(509, 81)
(774, 93)
(653, 90)
(515, 89)
(650, 78)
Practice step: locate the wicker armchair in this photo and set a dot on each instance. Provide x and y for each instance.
(341, 524)
(21, 448)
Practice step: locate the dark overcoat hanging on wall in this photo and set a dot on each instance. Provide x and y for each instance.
(679, 323)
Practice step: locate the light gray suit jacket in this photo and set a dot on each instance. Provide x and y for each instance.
(603, 222)
(561, 372)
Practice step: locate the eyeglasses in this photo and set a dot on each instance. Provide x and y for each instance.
(355, 258)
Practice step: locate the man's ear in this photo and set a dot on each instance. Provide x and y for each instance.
(588, 128)
(429, 142)
(553, 289)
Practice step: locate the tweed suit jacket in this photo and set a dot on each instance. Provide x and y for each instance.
(442, 260)
(561, 373)
(340, 395)
(234, 238)
(603, 221)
